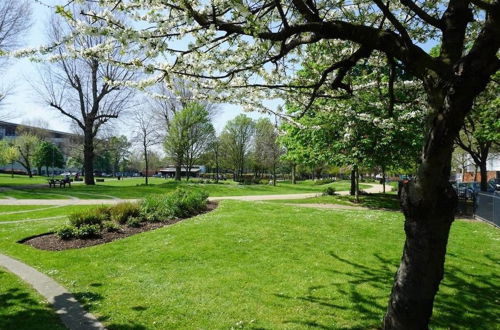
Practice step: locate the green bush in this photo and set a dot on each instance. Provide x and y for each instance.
(134, 222)
(180, 203)
(87, 231)
(110, 226)
(121, 212)
(329, 191)
(88, 217)
(323, 181)
(65, 232)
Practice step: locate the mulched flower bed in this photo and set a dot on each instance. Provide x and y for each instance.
(52, 242)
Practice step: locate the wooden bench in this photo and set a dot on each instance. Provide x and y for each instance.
(62, 183)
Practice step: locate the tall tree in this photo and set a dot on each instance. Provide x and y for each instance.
(266, 147)
(15, 21)
(82, 88)
(146, 136)
(235, 46)
(118, 148)
(188, 136)
(26, 145)
(481, 130)
(236, 139)
(48, 154)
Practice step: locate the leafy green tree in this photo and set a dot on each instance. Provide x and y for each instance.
(236, 140)
(48, 154)
(118, 148)
(481, 130)
(267, 150)
(26, 145)
(187, 137)
(240, 46)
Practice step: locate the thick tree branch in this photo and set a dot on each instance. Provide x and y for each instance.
(422, 14)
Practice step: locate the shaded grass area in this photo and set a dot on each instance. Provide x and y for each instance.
(23, 308)
(133, 188)
(374, 201)
(44, 212)
(262, 265)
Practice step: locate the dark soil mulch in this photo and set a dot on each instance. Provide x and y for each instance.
(52, 242)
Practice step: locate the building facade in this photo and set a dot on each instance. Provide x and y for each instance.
(63, 140)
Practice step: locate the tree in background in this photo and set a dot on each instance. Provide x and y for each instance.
(481, 130)
(118, 148)
(27, 145)
(236, 140)
(48, 154)
(145, 136)
(267, 150)
(8, 154)
(15, 21)
(187, 137)
(81, 88)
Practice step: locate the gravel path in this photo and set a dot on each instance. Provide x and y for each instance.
(66, 306)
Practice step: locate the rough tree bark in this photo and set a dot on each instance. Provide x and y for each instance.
(88, 156)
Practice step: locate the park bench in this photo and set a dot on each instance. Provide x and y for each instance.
(62, 183)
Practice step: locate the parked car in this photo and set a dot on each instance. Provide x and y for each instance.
(494, 185)
(461, 189)
(472, 189)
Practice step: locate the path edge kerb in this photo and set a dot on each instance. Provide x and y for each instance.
(72, 314)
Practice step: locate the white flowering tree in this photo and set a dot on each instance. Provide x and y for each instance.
(233, 46)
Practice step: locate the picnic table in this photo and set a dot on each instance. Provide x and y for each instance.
(61, 182)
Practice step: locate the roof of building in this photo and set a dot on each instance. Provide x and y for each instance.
(6, 123)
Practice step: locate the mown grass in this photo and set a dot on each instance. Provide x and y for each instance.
(22, 308)
(262, 265)
(46, 211)
(133, 188)
(374, 201)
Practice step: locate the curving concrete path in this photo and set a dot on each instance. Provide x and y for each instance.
(66, 306)
(375, 188)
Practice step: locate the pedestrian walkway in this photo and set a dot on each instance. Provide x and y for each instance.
(66, 306)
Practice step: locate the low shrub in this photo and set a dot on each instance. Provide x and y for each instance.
(87, 231)
(88, 217)
(329, 191)
(121, 212)
(65, 232)
(323, 181)
(180, 203)
(134, 222)
(110, 226)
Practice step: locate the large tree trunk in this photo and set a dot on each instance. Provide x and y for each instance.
(146, 163)
(383, 179)
(353, 182)
(88, 157)
(429, 205)
(484, 175)
(294, 173)
(178, 172)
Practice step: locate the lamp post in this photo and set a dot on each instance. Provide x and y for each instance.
(53, 151)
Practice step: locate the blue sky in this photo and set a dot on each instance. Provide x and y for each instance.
(24, 104)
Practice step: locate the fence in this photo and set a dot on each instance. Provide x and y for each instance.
(488, 207)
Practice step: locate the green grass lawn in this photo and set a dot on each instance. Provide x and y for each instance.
(133, 188)
(45, 211)
(375, 201)
(263, 265)
(22, 308)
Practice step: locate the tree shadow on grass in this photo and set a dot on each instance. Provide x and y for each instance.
(26, 312)
(465, 300)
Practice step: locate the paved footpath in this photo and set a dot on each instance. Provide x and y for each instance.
(375, 188)
(66, 306)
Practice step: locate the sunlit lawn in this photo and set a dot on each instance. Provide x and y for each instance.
(263, 265)
(134, 188)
